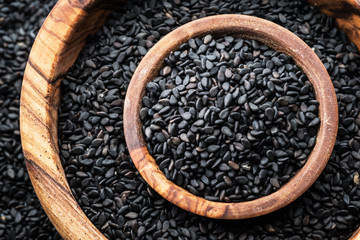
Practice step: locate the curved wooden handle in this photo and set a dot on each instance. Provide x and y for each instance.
(347, 14)
(272, 35)
(56, 47)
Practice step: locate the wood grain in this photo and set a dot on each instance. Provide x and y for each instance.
(251, 28)
(355, 235)
(54, 51)
(347, 14)
(56, 47)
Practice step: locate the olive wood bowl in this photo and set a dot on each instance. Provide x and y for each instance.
(55, 49)
(248, 27)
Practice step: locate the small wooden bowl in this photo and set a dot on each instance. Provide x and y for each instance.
(55, 49)
(271, 35)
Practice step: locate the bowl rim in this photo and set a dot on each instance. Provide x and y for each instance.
(271, 35)
(55, 49)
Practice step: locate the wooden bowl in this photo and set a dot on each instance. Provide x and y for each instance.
(55, 49)
(248, 27)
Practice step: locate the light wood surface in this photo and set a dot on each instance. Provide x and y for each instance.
(54, 51)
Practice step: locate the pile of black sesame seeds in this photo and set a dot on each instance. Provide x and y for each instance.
(111, 191)
(100, 172)
(108, 187)
(229, 119)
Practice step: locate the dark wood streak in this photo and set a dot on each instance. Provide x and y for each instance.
(50, 100)
(30, 155)
(56, 36)
(33, 166)
(209, 208)
(195, 205)
(37, 91)
(59, 20)
(187, 201)
(226, 211)
(77, 45)
(53, 142)
(84, 5)
(37, 69)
